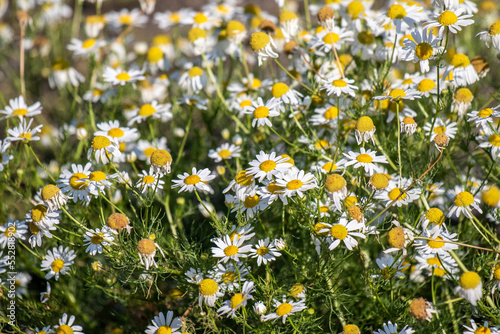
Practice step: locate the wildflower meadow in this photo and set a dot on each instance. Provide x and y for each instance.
(280, 166)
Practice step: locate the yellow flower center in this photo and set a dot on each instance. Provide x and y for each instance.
(408, 120)
(494, 29)
(34, 229)
(354, 9)
(38, 213)
(267, 166)
(148, 179)
(496, 272)
(25, 136)
(366, 37)
(236, 300)
(208, 287)
(339, 83)
(329, 167)
(296, 289)
(464, 198)
(434, 261)
(331, 38)
(261, 112)
(231, 250)
(424, 51)
(196, 33)
(57, 265)
(324, 209)
(97, 176)
(482, 330)
(460, 60)
(426, 85)
(234, 28)
(100, 142)
(146, 110)
(243, 179)
(331, 113)
(379, 181)
(447, 18)
(60, 65)
(351, 329)
(262, 250)
(287, 15)
(279, 89)
(64, 329)
(259, 40)
(439, 129)
(350, 202)
(251, 201)
(49, 191)
(116, 133)
(335, 182)
(322, 144)
(397, 93)
(192, 179)
(123, 76)
(463, 95)
(364, 124)
(229, 276)
(87, 44)
(469, 280)
(396, 12)
(20, 112)
(97, 238)
(294, 185)
(195, 72)
(338, 231)
(494, 140)
(155, 54)
(273, 188)
(436, 243)
(200, 18)
(284, 309)
(164, 330)
(485, 113)
(10, 231)
(125, 19)
(396, 237)
(394, 193)
(245, 103)
(435, 216)
(224, 154)
(365, 158)
(75, 183)
(491, 197)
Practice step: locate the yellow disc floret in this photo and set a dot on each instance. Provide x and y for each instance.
(469, 280)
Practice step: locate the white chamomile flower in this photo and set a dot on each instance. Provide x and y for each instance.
(484, 118)
(209, 290)
(265, 252)
(470, 287)
(451, 19)
(491, 35)
(399, 14)
(447, 127)
(389, 328)
(12, 229)
(228, 249)
(436, 243)
(263, 45)
(147, 251)
(165, 324)
(283, 93)
(103, 149)
(420, 48)
(390, 267)
(122, 77)
(149, 181)
(476, 329)
(238, 300)
(339, 87)
(464, 203)
(75, 183)
(193, 80)
(432, 220)
(23, 132)
(224, 152)
(57, 262)
(285, 309)
(336, 186)
(86, 47)
(365, 129)
(395, 192)
(112, 129)
(197, 180)
(267, 165)
(95, 239)
(461, 70)
(492, 141)
(295, 181)
(398, 94)
(365, 159)
(261, 111)
(343, 231)
(44, 296)
(153, 110)
(18, 108)
(66, 325)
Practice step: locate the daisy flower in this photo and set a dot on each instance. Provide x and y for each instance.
(23, 132)
(408, 126)
(364, 42)
(42, 217)
(364, 130)
(261, 112)
(12, 229)
(122, 77)
(126, 17)
(66, 325)
(289, 24)
(344, 231)
(264, 251)
(470, 287)
(283, 93)
(263, 45)
(53, 197)
(95, 239)
(436, 244)
(326, 40)
(46, 330)
(485, 328)
(147, 251)
(150, 110)
(86, 47)
(103, 149)
(434, 217)
(438, 265)
(390, 267)
(399, 14)
(295, 181)
(271, 192)
(394, 190)
(5, 157)
(230, 275)
(112, 129)
(451, 19)
(237, 300)
(267, 165)
(327, 167)
(420, 48)
(197, 180)
(62, 74)
(484, 118)
(336, 186)
(17, 107)
(165, 324)
(447, 127)
(242, 184)
(462, 101)
(285, 309)
(492, 35)
(228, 249)
(365, 159)
(44, 296)
(57, 262)
(75, 183)
(167, 19)
(21, 281)
(461, 70)
(149, 181)
(325, 116)
(389, 328)
(224, 152)
(339, 87)
(464, 203)
(398, 94)
(193, 80)
(37, 234)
